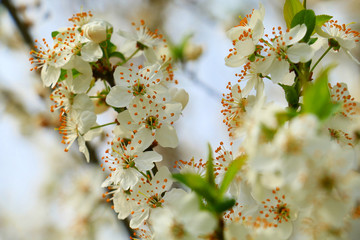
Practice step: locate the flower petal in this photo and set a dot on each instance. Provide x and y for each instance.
(119, 97)
(91, 52)
(166, 136)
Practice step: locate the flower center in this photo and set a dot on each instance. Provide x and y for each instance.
(282, 212)
(155, 201)
(177, 230)
(152, 122)
(138, 89)
(129, 162)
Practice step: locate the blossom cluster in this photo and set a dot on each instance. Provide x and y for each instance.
(295, 171)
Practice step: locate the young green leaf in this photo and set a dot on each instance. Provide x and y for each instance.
(321, 19)
(291, 95)
(291, 7)
(210, 168)
(231, 172)
(224, 204)
(308, 18)
(199, 185)
(317, 98)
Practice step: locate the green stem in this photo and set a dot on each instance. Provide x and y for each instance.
(322, 56)
(107, 124)
(304, 4)
(131, 56)
(95, 96)
(142, 173)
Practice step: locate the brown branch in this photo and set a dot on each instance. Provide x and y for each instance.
(23, 28)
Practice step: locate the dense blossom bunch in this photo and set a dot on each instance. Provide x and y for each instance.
(295, 171)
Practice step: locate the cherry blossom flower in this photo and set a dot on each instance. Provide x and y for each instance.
(286, 47)
(50, 60)
(345, 38)
(149, 196)
(128, 159)
(76, 125)
(244, 37)
(156, 120)
(133, 85)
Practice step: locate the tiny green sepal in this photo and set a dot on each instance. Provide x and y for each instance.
(54, 34)
(117, 55)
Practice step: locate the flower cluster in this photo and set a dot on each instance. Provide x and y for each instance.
(295, 172)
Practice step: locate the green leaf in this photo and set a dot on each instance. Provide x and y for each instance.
(54, 34)
(291, 7)
(308, 18)
(231, 172)
(210, 168)
(199, 185)
(224, 204)
(283, 117)
(317, 98)
(63, 75)
(118, 55)
(321, 19)
(291, 95)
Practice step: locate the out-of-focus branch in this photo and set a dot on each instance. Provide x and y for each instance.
(23, 28)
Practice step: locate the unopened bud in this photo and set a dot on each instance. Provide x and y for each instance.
(96, 30)
(192, 51)
(180, 96)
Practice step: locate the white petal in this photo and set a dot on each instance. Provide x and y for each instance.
(180, 96)
(279, 69)
(202, 223)
(83, 148)
(121, 205)
(145, 161)
(295, 34)
(300, 52)
(245, 47)
(91, 52)
(166, 136)
(235, 32)
(119, 97)
(126, 121)
(129, 178)
(86, 121)
(122, 75)
(82, 102)
(235, 60)
(258, 31)
(50, 75)
(139, 217)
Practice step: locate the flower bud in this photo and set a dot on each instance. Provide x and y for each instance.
(180, 96)
(96, 30)
(192, 51)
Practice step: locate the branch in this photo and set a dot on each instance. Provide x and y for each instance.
(23, 28)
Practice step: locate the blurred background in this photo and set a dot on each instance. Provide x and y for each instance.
(48, 194)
